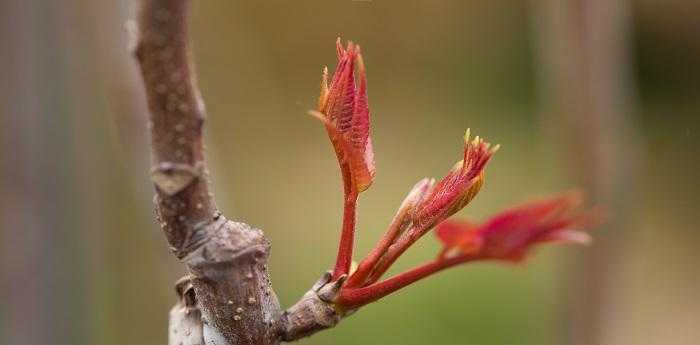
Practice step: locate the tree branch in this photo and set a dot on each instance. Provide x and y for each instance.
(227, 259)
(229, 284)
(176, 118)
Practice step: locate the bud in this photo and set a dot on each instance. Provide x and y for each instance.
(407, 211)
(344, 110)
(417, 194)
(458, 187)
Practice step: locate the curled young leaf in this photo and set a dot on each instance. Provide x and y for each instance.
(343, 108)
(458, 187)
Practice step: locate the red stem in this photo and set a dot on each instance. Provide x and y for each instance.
(351, 298)
(347, 235)
(367, 265)
(393, 252)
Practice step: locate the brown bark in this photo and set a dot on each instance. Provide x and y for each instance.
(229, 284)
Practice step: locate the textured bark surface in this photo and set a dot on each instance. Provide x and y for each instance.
(184, 205)
(228, 298)
(314, 311)
(232, 286)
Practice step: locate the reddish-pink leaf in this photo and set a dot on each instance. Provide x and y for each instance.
(510, 234)
(450, 233)
(344, 107)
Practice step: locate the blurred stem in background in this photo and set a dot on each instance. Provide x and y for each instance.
(66, 216)
(587, 94)
(41, 302)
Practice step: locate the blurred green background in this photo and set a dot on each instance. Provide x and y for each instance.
(602, 95)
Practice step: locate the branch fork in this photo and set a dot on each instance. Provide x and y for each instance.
(315, 310)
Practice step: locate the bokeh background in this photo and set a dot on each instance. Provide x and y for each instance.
(601, 95)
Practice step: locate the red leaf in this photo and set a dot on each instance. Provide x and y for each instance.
(451, 232)
(513, 232)
(345, 112)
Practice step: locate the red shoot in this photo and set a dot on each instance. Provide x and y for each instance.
(344, 110)
(508, 236)
(448, 196)
(458, 187)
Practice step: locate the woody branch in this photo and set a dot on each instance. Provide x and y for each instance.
(228, 284)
